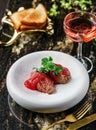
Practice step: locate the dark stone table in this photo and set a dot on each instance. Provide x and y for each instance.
(38, 41)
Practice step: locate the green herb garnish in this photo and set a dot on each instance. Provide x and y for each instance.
(48, 65)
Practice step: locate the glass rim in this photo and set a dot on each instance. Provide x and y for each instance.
(78, 12)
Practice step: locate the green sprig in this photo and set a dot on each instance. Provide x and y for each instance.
(48, 65)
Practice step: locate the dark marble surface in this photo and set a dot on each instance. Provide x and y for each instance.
(35, 42)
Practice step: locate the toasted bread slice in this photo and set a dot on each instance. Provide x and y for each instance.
(37, 17)
(16, 17)
(27, 27)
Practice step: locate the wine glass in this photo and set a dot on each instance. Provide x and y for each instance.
(81, 27)
(21, 114)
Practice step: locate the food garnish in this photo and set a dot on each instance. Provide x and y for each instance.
(48, 65)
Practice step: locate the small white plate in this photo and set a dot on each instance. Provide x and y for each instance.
(65, 96)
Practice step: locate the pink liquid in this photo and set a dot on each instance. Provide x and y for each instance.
(80, 29)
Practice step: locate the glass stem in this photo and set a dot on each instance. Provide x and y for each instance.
(79, 55)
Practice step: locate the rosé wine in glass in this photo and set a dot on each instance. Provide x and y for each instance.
(81, 27)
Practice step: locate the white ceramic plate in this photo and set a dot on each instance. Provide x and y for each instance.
(65, 96)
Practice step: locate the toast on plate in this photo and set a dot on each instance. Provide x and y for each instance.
(32, 18)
